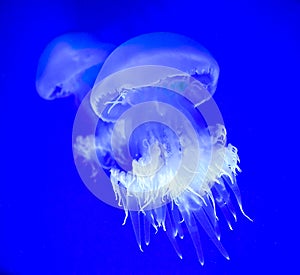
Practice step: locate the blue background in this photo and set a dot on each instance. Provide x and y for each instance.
(51, 224)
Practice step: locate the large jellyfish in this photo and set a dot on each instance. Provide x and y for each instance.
(69, 65)
(157, 139)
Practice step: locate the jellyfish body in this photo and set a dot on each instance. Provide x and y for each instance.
(69, 65)
(163, 173)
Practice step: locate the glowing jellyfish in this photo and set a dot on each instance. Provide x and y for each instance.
(160, 139)
(69, 65)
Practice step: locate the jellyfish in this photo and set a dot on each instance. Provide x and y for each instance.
(158, 140)
(69, 65)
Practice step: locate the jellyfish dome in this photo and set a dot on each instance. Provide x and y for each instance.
(165, 49)
(69, 65)
(159, 139)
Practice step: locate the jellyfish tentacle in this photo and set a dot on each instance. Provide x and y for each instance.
(136, 224)
(210, 211)
(191, 225)
(161, 216)
(170, 230)
(223, 200)
(210, 231)
(146, 229)
(236, 191)
(177, 220)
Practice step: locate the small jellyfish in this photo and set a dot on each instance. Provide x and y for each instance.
(69, 65)
(160, 140)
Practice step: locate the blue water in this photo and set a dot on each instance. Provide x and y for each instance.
(51, 224)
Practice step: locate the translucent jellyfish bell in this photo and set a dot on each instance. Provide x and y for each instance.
(165, 49)
(69, 65)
